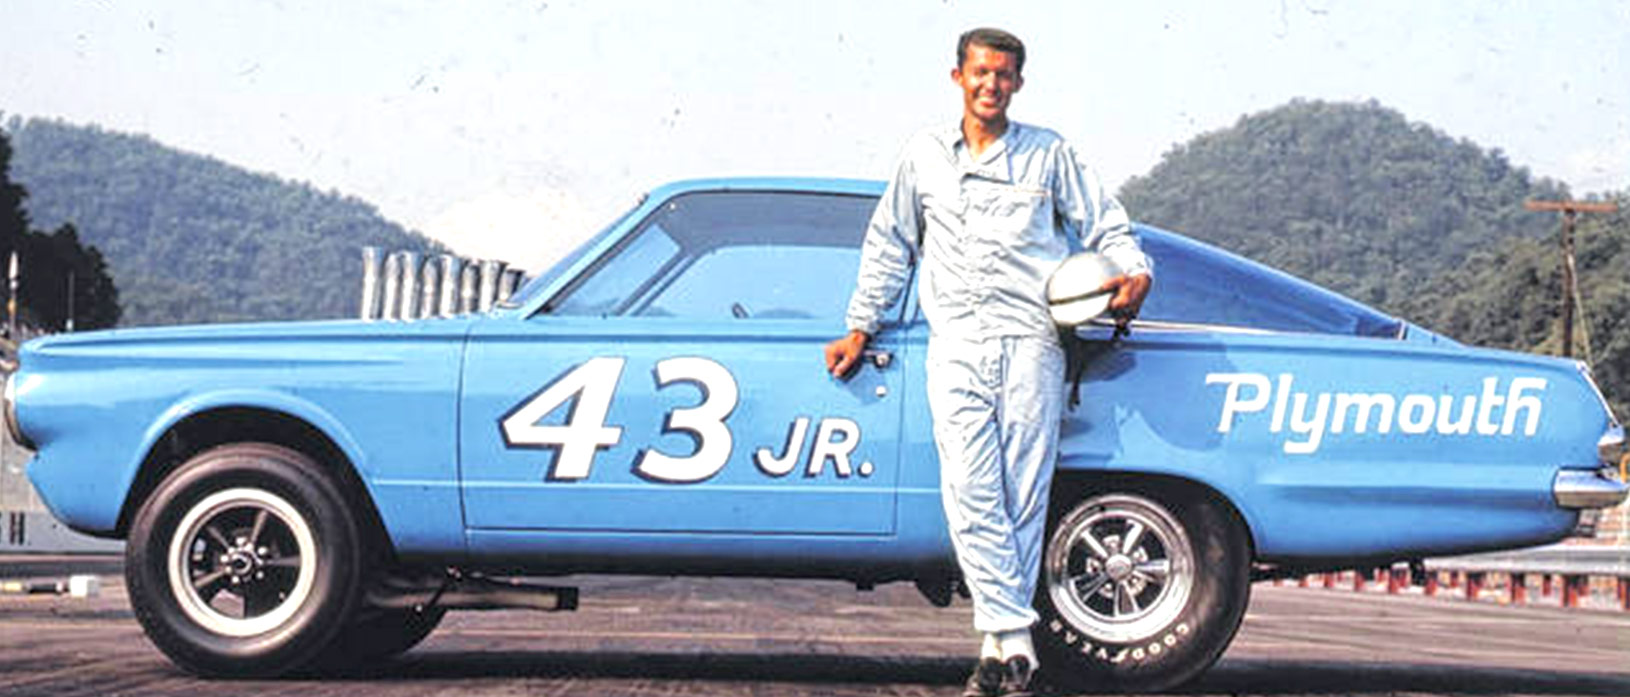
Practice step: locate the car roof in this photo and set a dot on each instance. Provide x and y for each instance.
(865, 187)
(1365, 320)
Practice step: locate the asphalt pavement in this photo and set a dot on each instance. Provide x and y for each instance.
(662, 636)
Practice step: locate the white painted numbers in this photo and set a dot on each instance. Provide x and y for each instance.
(705, 421)
(589, 388)
(585, 431)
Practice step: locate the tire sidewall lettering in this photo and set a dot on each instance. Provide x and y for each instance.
(1118, 654)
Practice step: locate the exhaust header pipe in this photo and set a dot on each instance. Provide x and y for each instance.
(405, 286)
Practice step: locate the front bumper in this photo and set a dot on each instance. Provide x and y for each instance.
(8, 411)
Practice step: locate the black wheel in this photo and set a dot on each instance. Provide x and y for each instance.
(1140, 590)
(380, 634)
(244, 562)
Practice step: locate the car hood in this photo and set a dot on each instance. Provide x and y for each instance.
(115, 342)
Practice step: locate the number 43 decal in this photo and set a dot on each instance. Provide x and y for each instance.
(589, 388)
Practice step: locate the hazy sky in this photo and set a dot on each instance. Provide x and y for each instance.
(512, 128)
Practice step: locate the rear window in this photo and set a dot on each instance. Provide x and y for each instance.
(1196, 283)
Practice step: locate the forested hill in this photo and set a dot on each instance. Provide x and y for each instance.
(1396, 214)
(1350, 196)
(192, 239)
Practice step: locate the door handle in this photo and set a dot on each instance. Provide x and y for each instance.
(878, 357)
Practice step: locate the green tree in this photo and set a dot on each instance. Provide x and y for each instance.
(56, 272)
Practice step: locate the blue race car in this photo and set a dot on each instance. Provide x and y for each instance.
(656, 403)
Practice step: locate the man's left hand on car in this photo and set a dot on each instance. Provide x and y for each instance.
(1129, 294)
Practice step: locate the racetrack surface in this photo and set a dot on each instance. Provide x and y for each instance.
(658, 636)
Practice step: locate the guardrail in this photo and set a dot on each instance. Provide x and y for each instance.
(1512, 577)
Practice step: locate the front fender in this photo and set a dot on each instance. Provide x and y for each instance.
(268, 400)
(384, 395)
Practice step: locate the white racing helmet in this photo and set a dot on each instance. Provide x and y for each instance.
(1073, 292)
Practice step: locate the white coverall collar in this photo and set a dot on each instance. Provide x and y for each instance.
(993, 162)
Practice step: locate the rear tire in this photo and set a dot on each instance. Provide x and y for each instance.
(1141, 590)
(244, 562)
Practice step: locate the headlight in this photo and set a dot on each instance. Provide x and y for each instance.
(16, 433)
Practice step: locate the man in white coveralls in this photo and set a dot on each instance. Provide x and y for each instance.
(987, 205)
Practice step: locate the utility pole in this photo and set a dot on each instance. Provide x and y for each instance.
(1570, 281)
(70, 323)
(11, 298)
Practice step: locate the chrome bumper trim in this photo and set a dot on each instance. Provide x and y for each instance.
(1588, 489)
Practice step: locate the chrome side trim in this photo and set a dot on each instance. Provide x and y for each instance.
(1587, 489)
(1162, 326)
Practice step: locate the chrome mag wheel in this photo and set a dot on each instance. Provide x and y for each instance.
(241, 562)
(1124, 571)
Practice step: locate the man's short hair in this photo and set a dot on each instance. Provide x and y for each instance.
(994, 39)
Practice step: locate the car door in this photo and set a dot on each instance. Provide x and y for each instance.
(678, 385)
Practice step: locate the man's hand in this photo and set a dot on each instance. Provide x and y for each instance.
(1129, 294)
(843, 354)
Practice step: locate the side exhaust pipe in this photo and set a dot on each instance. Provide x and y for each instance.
(456, 591)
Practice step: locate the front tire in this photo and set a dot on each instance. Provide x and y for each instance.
(374, 637)
(244, 562)
(1141, 590)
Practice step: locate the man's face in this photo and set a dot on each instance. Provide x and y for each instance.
(988, 79)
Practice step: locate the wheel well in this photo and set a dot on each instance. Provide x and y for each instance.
(1070, 486)
(209, 429)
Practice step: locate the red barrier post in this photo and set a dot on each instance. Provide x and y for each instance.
(1545, 585)
(1474, 584)
(1431, 583)
(1575, 588)
(1518, 593)
(1358, 581)
(1329, 579)
(1624, 593)
(1395, 580)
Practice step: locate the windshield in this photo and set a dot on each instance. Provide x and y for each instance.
(542, 280)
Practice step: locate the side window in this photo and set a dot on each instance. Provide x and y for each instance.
(760, 281)
(731, 256)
